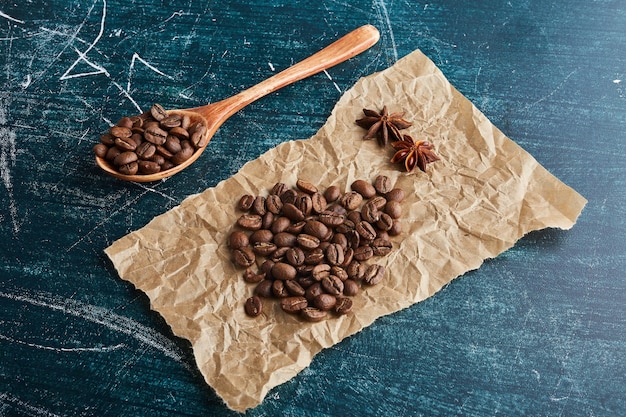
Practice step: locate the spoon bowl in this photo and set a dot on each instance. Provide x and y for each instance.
(215, 114)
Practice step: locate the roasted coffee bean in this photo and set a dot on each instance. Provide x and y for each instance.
(355, 270)
(279, 290)
(351, 200)
(313, 291)
(350, 288)
(295, 256)
(305, 281)
(381, 247)
(184, 154)
(332, 193)
(125, 122)
(316, 228)
(332, 285)
(296, 228)
(100, 149)
(313, 314)
(121, 132)
(129, 169)
(385, 222)
(331, 218)
(374, 274)
(289, 196)
(294, 288)
(125, 158)
(264, 288)
(158, 112)
(306, 186)
(279, 254)
(252, 277)
(280, 224)
(293, 304)
(343, 305)
(125, 144)
(345, 227)
(250, 221)
(273, 204)
(284, 239)
(348, 255)
(283, 271)
(307, 242)
(107, 139)
(320, 272)
(198, 134)
(304, 204)
(293, 212)
(396, 228)
(266, 266)
(170, 121)
(148, 167)
(267, 220)
(146, 151)
(370, 213)
(279, 188)
(161, 150)
(363, 253)
(314, 257)
(244, 256)
(318, 203)
(378, 202)
(366, 230)
(245, 202)
(382, 184)
(396, 194)
(262, 235)
(264, 248)
(334, 254)
(354, 216)
(339, 272)
(325, 302)
(154, 134)
(354, 239)
(258, 205)
(179, 132)
(172, 144)
(253, 306)
(364, 188)
(393, 209)
(340, 239)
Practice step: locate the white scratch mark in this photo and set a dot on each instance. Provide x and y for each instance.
(385, 16)
(8, 159)
(334, 83)
(64, 349)
(271, 66)
(27, 81)
(617, 81)
(154, 190)
(6, 16)
(178, 13)
(82, 55)
(101, 316)
(553, 92)
(136, 57)
(26, 408)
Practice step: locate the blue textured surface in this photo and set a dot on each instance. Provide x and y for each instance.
(539, 331)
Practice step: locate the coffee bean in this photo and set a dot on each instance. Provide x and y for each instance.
(125, 144)
(396, 194)
(258, 205)
(244, 256)
(158, 112)
(273, 204)
(308, 241)
(318, 203)
(324, 302)
(334, 254)
(125, 158)
(365, 230)
(184, 154)
(279, 290)
(293, 304)
(350, 288)
(250, 221)
(374, 274)
(306, 186)
(285, 239)
(382, 184)
(264, 248)
(313, 314)
(179, 132)
(283, 271)
(351, 200)
(146, 150)
(280, 224)
(316, 228)
(314, 257)
(279, 188)
(332, 285)
(320, 272)
(129, 169)
(252, 277)
(293, 212)
(149, 167)
(172, 144)
(154, 134)
(393, 209)
(295, 256)
(385, 222)
(100, 150)
(332, 193)
(294, 288)
(370, 213)
(253, 306)
(199, 138)
(264, 288)
(396, 228)
(313, 291)
(245, 202)
(381, 247)
(363, 253)
(364, 188)
(170, 121)
(121, 132)
(343, 305)
(331, 218)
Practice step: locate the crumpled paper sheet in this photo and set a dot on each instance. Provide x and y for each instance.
(484, 194)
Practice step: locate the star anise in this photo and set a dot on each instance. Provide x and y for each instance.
(414, 154)
(383, 126)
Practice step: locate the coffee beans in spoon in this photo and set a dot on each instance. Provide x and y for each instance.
(152, 142)
(313, 249)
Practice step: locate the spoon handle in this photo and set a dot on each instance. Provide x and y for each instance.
(341, 50)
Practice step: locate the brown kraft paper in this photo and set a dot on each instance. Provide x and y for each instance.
(484, 194)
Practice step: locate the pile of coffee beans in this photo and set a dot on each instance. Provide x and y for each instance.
(313, 250)
(151, 142)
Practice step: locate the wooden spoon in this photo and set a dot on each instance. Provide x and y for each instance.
(213, 115)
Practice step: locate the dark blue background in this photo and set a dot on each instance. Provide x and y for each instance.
(538, 331)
